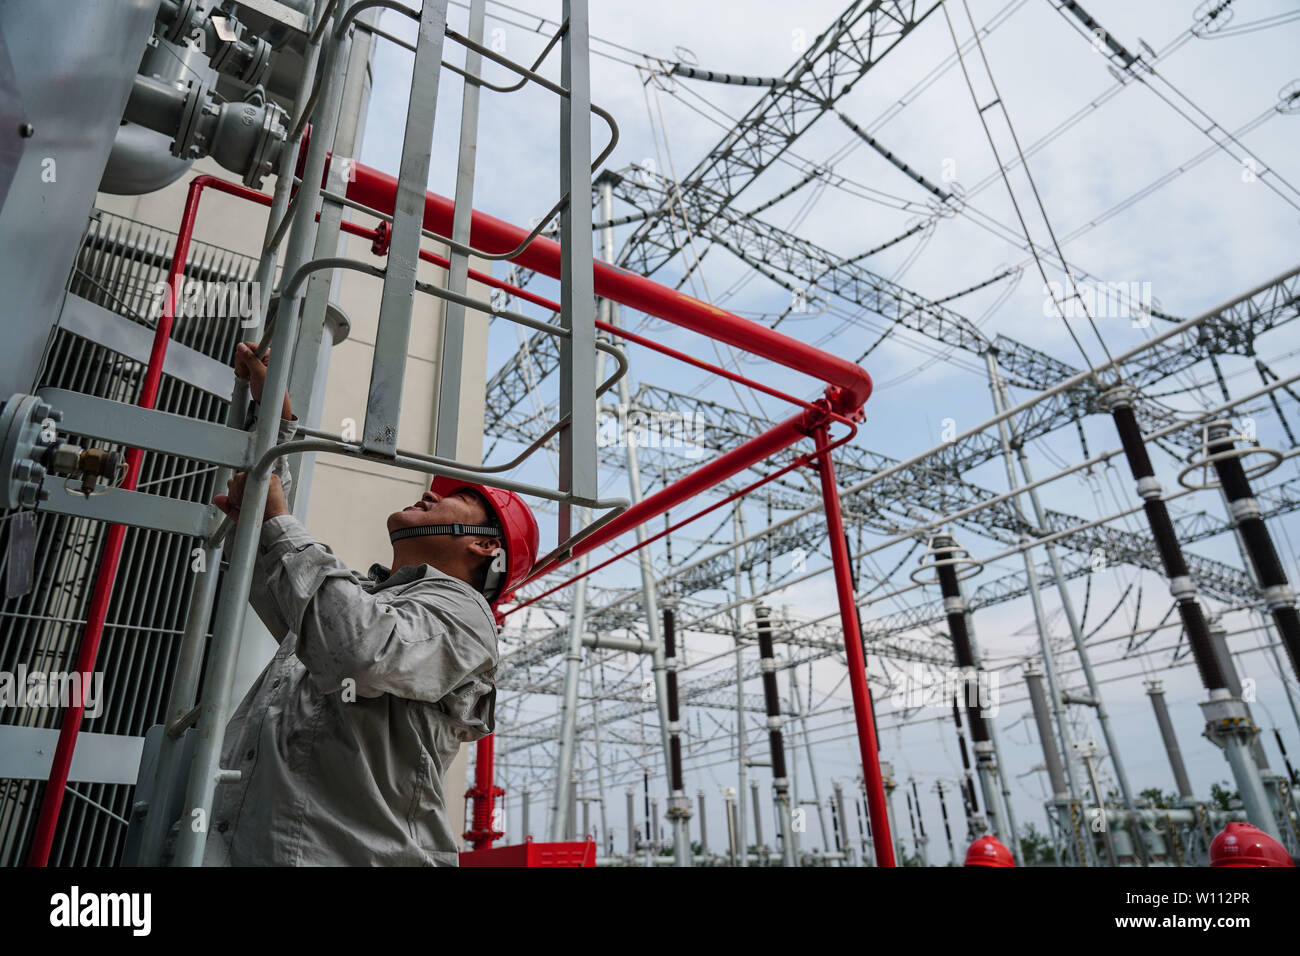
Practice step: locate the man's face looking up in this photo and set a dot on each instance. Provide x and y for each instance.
(461, 556)
(464, 506)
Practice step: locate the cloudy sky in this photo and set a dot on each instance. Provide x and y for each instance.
(1136, 191)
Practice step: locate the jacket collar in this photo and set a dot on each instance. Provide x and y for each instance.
(381, 578)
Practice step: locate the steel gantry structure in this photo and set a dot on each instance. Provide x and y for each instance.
(989, 515)
(701, 205)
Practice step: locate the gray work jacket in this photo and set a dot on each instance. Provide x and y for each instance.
(343, 740)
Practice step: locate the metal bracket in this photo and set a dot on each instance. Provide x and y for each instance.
(152, 430)
(134, 508)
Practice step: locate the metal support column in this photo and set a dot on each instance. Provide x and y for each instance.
(571, 822)
(1156, 691)
(998, 764)
(569, 706)
(887, 777)
(392, 337)
(631, 825)
(447, 427)
(316, 334)
(1036, 600)
(578, 473)
(704, 828)
(854, 653)
(1062, 806)
(649, 587)
(1275, 785)
(1051, 756)
(1088, 754)
(734, 838)
(812, 767)
(600, 764)
(1219, 640)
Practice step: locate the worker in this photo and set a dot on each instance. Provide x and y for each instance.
(989, 851)
(1241, 844)
(342, 742)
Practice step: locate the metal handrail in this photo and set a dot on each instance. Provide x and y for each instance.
(479, 81)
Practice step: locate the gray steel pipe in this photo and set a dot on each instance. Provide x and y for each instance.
(1051, 757)
(1155, 690)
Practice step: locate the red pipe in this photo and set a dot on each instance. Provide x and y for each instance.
(774, 440)
(622, 333)
(111, 554)
(875, 784)
(850, 385)
(484, 794)
(799, 462)
(379, 237)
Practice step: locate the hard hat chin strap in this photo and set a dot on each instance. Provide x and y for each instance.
(420, 531)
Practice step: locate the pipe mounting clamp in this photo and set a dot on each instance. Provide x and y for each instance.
(1279, 595)
(1243, 509)
(1148, 489)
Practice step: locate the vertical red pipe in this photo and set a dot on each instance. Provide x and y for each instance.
(484, 794)
(875, 783)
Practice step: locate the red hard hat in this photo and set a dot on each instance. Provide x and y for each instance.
(517, 524)
(989, 851)
(1240, 844)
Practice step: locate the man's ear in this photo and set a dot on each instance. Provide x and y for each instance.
(485, 547)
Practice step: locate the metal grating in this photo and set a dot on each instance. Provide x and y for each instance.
(120, 263)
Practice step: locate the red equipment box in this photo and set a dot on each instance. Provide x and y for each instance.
(534, 854)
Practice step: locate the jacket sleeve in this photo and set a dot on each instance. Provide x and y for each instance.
(433, 643)
(288, 428)
(258, 596)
